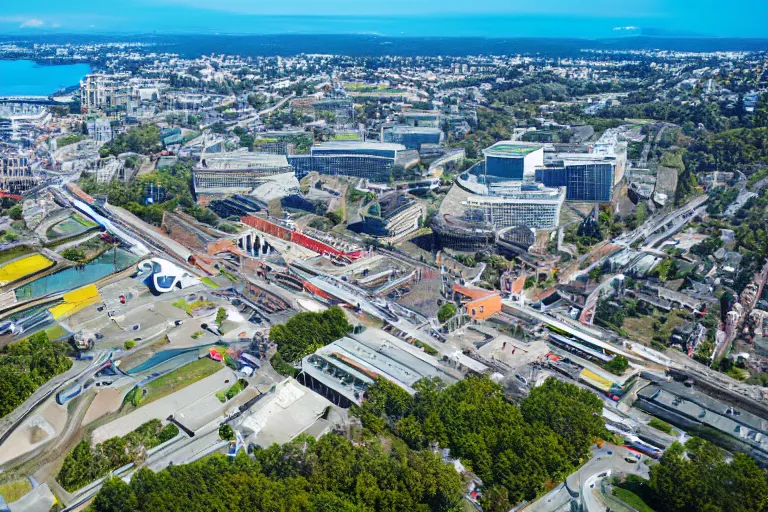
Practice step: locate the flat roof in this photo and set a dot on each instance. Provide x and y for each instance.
(511, 149)
(404, 128)
(354, 144)
(239, 160)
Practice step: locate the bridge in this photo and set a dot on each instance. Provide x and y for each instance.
(26, 99)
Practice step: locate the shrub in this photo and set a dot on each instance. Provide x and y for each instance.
(226, 433)
(446, 312)
(618, 365)
(660, 425)
(129, 344)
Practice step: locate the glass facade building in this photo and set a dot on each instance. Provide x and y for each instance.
(517, 204)
(372, 161)
(589, 182)
(412, 137)
(507, 168)
(509, 160)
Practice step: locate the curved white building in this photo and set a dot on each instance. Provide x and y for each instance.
(165, 276)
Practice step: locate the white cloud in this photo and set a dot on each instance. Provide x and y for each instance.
(32, 23)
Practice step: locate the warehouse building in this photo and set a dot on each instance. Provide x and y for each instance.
(343, 370)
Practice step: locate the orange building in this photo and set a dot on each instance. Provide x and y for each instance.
(478, 302)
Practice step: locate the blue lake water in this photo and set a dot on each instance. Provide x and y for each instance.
(26, 77)
(108, 263)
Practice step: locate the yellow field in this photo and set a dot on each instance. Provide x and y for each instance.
(76, 300)
(23, 267)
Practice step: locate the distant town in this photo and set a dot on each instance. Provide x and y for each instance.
(366, 283)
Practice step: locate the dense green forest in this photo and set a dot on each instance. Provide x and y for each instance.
(85, 463)
(521, 451)
(306, 332)
(26, 365)
(329, 475)
(696, 478)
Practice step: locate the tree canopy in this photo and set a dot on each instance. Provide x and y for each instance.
(520, 450)
(328, 475)
(142, 139)
(26, 365)
(696, 478)
(306, 332)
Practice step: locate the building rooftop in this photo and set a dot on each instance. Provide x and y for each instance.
(238, 160)
(511, 149)
(358, 145)
(404, 128)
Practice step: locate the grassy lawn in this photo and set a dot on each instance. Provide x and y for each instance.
(10, 254)
(14, 490)
(88, 223)
(69, 139)
(180, 378)
(345, 136)
(642, 329)
(631, 499)
(660, 425)
(56, 332)
(634, 491)
(210, 283)
(183, 304)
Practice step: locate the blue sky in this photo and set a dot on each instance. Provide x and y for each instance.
(495, 18)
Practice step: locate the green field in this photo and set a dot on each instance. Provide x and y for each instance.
(10, 254)
(88, 223)
(210, 283)
(345, 136)
(14, 490)
(634, 491)
(180, 378)
(632, 499)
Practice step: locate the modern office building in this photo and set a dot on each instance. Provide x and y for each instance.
(236, 172)
(393, 216)
(108, 93)
(517, 203)
(369, 160)
(100, 130)
(587, 177)
(412, 137)
(460, 234)
(422, 118)
(16, 174)
(509, 160)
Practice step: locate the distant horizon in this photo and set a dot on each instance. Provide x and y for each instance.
(175, 19)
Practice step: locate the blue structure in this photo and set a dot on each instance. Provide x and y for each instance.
(509, 160)
(589, 182)
(412, 137)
